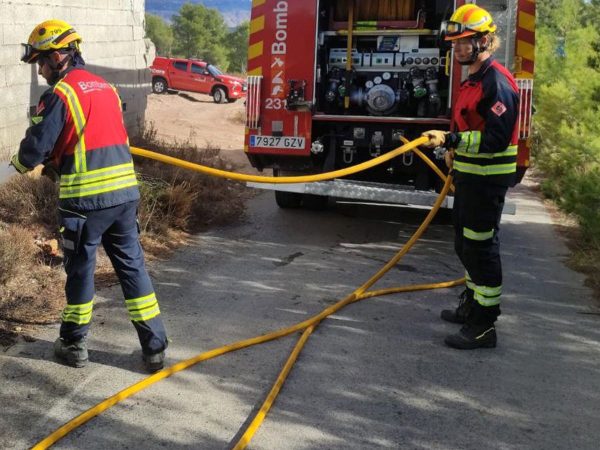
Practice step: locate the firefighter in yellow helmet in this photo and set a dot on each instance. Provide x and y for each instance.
(78, 131)
(53, 37)
(482, 152)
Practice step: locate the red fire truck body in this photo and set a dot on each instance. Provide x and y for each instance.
(324, 96)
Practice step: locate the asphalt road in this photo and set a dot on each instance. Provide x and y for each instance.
(376, 375)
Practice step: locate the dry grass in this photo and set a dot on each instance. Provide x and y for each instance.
(31, 285)
(179, 199)
(239, 118)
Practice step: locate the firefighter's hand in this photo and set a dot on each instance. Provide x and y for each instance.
(449, 158)
(437, 138)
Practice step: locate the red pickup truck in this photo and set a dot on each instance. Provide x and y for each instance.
(195, 76)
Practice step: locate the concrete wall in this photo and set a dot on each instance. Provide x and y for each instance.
(114, 47)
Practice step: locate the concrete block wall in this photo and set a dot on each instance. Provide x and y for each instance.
(114, 47)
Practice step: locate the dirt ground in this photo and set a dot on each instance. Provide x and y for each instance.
(188, 116)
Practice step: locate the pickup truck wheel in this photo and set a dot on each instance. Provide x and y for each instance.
(219, 96)
(159, 86)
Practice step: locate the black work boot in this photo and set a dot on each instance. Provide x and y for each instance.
(459, 315)
(478, 330)
(74, 353)
(154, 362)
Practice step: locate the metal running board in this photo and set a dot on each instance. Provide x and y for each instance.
(367, 191)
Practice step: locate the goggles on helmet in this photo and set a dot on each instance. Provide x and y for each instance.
(28, 53)
(450, 29)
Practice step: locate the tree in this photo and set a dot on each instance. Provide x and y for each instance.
(199, 32)
(237, 42)
(567, 122)
(160, 33)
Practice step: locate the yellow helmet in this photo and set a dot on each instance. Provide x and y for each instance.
(49, 36)
(468, 20)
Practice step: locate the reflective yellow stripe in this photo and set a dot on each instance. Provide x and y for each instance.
(477, 236)
(78, 314)
(469, 142)
(69, 177)
(510, 151)
(486, 301)
(79, 121)
(96, 175)
(98, 188)
(496, 169)
(486, 295)
(144, 315)
(143, 308)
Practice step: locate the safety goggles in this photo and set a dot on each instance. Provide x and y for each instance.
(453, 30)
(28, 53)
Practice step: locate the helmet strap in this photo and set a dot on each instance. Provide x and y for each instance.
(58, 67)
(478, 48)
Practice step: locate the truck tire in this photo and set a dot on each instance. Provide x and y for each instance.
(315, 202)
(288, 200)
(159, 86)
(219, 95)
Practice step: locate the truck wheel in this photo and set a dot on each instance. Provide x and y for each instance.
(219, 96)
(159, 86)
(287, 200)
(284, 199)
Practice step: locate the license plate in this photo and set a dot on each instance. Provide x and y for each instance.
(297, 143)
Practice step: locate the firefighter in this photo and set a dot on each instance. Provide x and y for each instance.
(482, 152)
(78, 134)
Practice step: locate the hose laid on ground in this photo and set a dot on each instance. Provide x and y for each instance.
(306, 326)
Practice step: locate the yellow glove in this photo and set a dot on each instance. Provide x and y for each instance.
(449, 158)
(436, 138)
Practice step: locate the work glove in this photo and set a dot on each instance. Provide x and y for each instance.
(437, 138)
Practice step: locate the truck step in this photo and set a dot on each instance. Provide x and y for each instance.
(369, 192)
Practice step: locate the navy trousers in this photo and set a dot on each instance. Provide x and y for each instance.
(476, 217)
(116, 228)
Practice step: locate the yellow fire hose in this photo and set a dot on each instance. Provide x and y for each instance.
(280, 180)
(307, 326)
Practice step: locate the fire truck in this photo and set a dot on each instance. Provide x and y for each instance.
(333, 83)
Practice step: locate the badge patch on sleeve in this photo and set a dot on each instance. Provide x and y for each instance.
(499, 108)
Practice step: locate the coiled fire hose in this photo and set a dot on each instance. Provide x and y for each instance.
(307, 326)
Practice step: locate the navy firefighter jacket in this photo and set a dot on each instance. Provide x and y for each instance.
(485, 117)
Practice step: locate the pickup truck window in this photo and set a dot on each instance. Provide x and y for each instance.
(196, 68)
(180, 65)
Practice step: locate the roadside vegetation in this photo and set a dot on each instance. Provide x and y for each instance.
(200, 32)
(567, 122)
(175, 202)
